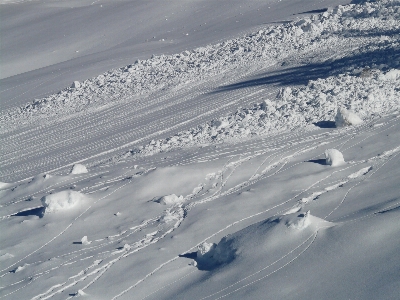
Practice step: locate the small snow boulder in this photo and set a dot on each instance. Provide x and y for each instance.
(334, 157)
(170, 199)
(78, 169)
(76, 84)
(346, 118)
(61, 201)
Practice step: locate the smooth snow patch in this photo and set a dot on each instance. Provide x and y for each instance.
(334, 157)
(78, 169)
(61, 201)
(346, 118)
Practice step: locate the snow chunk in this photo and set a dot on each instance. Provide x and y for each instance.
(78, 169)
(85, 241)
(76, 84)
(334, 157)
(170, 199)
(61, 201)
(346, 118)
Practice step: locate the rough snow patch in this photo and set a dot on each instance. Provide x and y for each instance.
(361, 172)
(78, 169)
(61, 201)
(346, 118)
(334, 157)
(169, 199)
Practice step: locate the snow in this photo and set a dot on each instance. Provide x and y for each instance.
(78, 169)
(334, 157)
(144, 156)
(169, 199)
(60, 201)
(346, 118)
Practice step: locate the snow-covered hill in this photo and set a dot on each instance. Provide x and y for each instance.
(249, 161)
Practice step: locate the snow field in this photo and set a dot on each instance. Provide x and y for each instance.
(241, 227)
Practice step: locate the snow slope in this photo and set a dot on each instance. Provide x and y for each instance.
(211, 173)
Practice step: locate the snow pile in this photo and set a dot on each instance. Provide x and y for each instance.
(334, 157)
(170, 199)
(295, 108)
(346, 118)
(211, 255)
(333, 28)
(302, 222)
(78, 169)
(63, 200)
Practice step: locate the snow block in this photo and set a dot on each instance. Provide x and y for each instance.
(78, 169)
(334, 157)
(61, 201)
(346, 118)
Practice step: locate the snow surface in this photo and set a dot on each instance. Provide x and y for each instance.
(239, 117)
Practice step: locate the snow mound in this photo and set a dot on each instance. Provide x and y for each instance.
(334, 157)
(61, 201)
(346, 118)
(78, 169)
(170, 199)
(302, 222)
(211, 255)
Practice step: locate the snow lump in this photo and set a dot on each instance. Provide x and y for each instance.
(346, 118)
(61, 201)
(78, 169)
(334, 157)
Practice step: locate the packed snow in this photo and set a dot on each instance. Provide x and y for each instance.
(242, 161)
